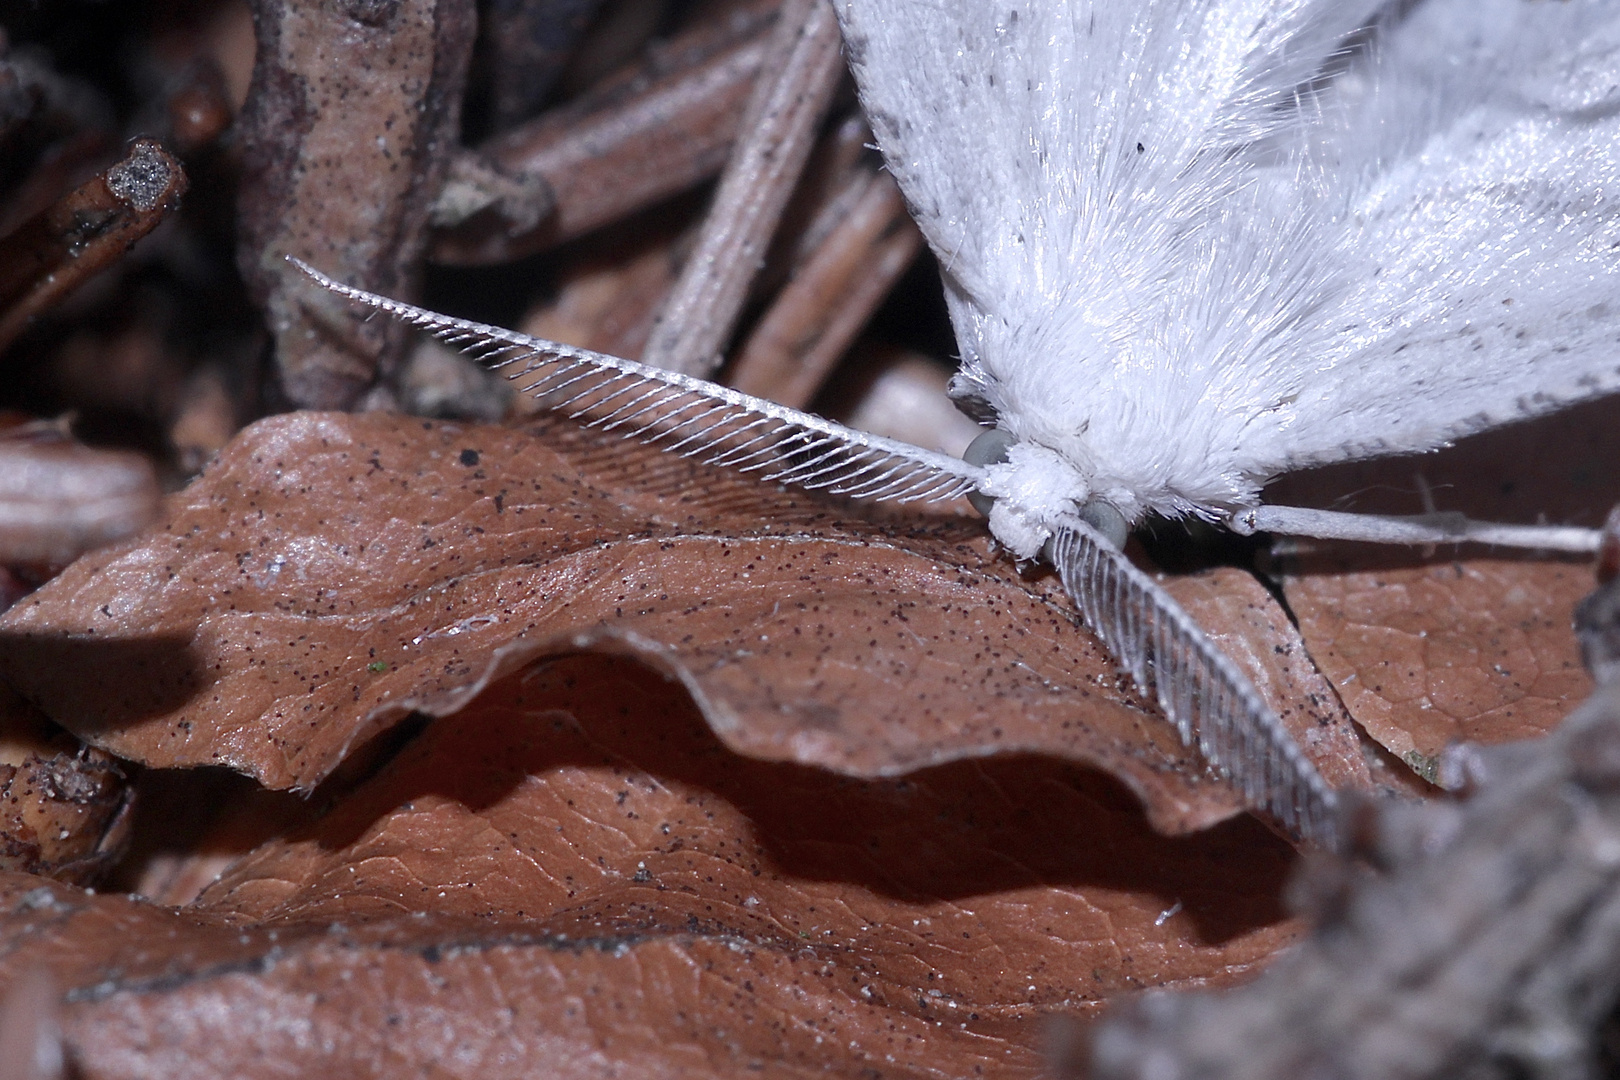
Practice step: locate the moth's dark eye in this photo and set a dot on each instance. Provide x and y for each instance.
(1106, 519)
(989, 448)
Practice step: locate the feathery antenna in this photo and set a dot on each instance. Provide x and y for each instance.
(1211, 703)
(697, 419)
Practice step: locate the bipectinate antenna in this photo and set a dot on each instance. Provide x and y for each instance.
(692, 417)
(1213, 706)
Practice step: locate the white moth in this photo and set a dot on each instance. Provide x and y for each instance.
(1188, 246)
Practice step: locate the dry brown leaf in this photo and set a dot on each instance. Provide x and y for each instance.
(1431, 649)
(1478, 650)
(573, 875)
(332, 573)
(59, 498)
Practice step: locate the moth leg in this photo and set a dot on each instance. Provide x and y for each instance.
(1435, 528)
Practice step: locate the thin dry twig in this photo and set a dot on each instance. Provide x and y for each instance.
(815, 319)
(803, 66)
(84, 232)
(663, 127)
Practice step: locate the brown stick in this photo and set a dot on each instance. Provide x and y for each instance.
(802, 69)
(84, 232)
(815, 318)
(659, 129)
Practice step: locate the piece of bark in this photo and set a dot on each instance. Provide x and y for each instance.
(1485, 944)
(654, 131)
(802, 66)
(331, 574)
(347, 137)
(814, 320)
(59, 498)
(83, 233)
(573, 871)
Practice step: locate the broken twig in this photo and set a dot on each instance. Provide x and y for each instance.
(84, 232)
(801, 70)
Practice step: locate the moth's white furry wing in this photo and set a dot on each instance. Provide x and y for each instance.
(1478, 155)
(1189, 246)
(1010, 126)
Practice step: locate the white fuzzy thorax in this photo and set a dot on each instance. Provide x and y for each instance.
(1033, 488)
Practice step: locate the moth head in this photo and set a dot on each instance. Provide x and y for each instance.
(1027, 488)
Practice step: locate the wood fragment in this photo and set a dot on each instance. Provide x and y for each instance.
(84, 232)
(802, 68)
(64, 807)
(347, 136)
(654, 131)
(71, 162)
(814, 320)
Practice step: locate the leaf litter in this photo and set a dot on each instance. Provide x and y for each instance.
(728, 770)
